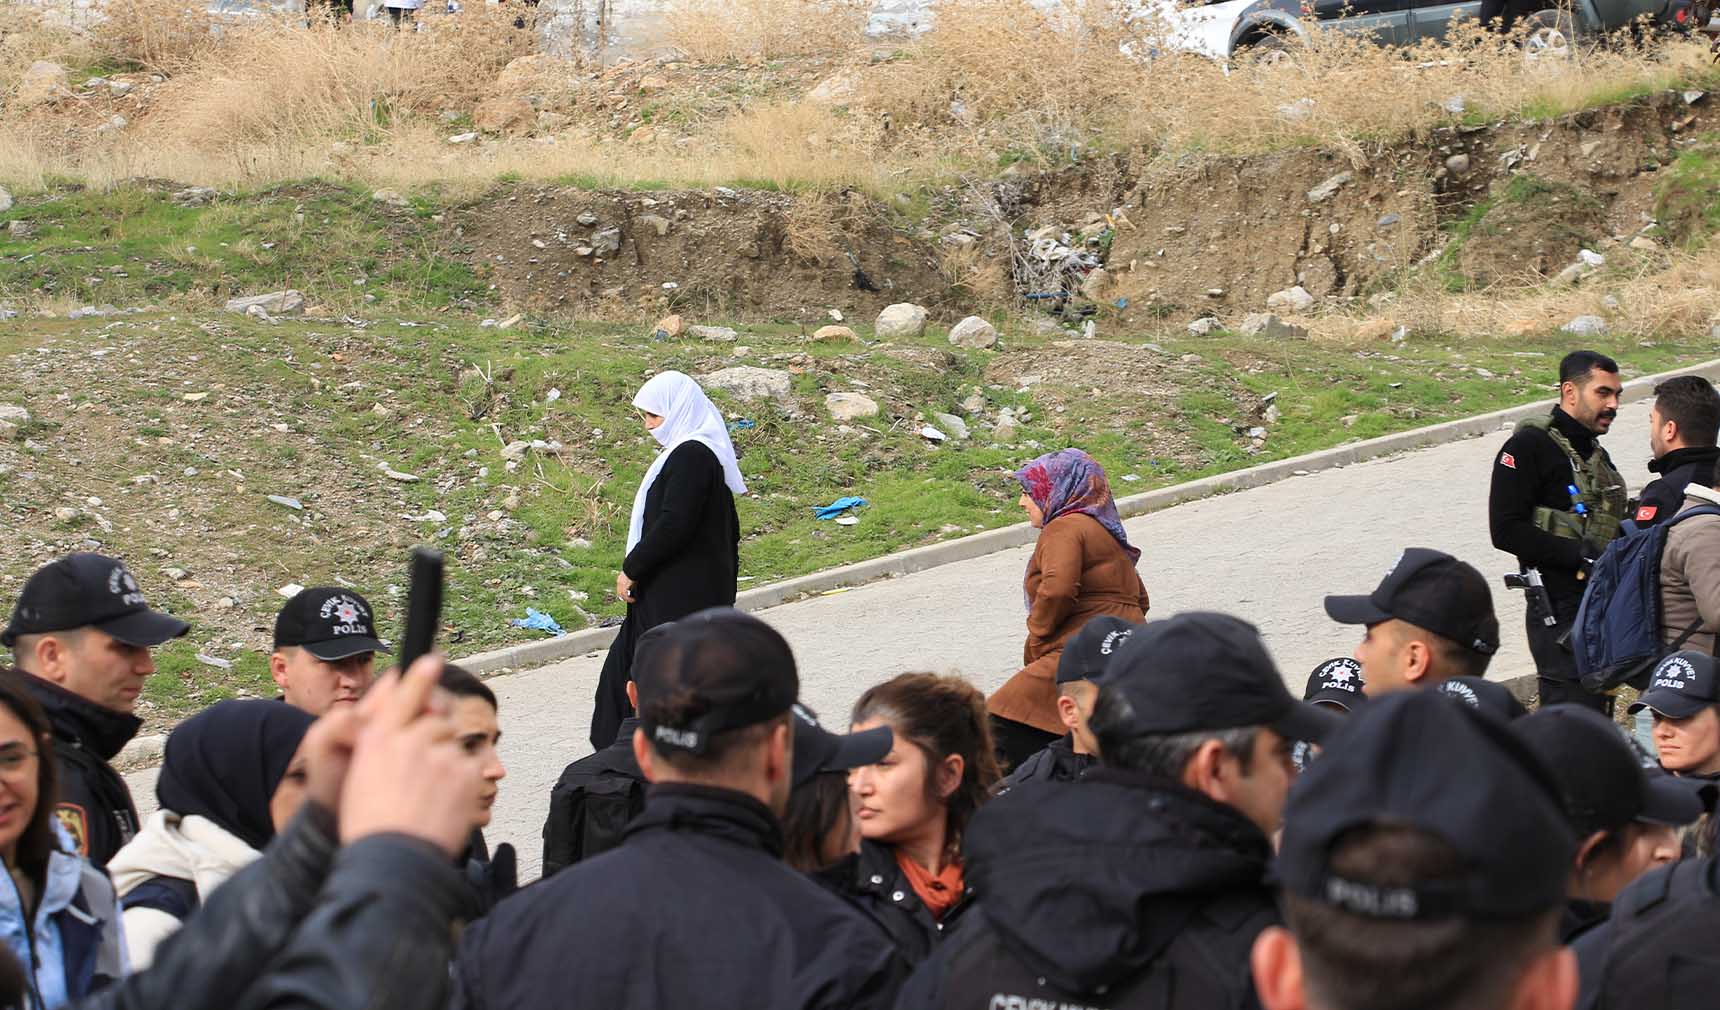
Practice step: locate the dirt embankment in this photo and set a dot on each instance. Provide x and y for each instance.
(1208, 235)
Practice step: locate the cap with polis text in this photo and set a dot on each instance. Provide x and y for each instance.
(89, 591)
(1336, 682)
(1488, 797)
(1429, 589)
(1602, 782)
(1682, 685)
(328, 622)
(714, 671)
(1086, 655)
(818, 751)
(1483, 695)
(1205, 671)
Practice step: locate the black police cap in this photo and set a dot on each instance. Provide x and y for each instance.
(89, 591)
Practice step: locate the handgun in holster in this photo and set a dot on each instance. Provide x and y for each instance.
(1535, 590)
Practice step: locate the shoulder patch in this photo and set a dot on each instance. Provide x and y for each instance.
(77, 825)
(1646, 513)
(1506, 459)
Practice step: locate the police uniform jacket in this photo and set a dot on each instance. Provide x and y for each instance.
(95, 807)
(593, 802)
(1678, 469)
(1058, 762)
(695, 908)
(1119, 891)
(1656, 951)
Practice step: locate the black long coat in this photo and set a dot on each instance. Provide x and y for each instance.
(686, 561)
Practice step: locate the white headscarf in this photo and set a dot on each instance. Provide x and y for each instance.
(688, 415)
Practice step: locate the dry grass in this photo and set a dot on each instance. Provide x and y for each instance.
(721, 30)
(26, 37)
(993, 82)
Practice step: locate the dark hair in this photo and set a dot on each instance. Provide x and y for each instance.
(1355, 962)
(1161, 755)
(815, 808)
(1578, 365)
(941, 716)
(1691, 402)
(38, 839)
(462, 683)
(1454, 659)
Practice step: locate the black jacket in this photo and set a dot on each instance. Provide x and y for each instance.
(95, 806)
(1579, 917)
(687, 560)
(695, 909)
(1529, 471)
(1664, 495)
(301, 927)
(1118, 891)
(593, 802)
(1058, 762)
(873, 882)
(1656, 952)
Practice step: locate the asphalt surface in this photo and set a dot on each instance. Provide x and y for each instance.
(1269, 554)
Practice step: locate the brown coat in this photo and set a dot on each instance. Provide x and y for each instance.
(1078, 572)
(1690, 574)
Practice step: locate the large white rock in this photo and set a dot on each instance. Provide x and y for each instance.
(847, 407)
(43, 82)
(973, 332)
(751, 383)
(1296, 299)
(275, 303)
(902, 321)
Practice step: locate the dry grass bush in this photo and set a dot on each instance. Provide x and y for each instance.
(985, 281)
(162, 36)
(26, 37)
(714, 31)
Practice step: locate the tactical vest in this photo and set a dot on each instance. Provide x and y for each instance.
(1600, 489)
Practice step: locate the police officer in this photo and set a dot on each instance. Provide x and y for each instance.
(81, 633)
(696, 907)
(1683, 425)
(1083, 661)
(325, 649)
(1430, 619)
(1428, 883)
(1556, 502)
(1145, 885)
(596, 797)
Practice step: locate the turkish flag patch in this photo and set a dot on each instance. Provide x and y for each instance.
(1646, 513)
(1506, 459)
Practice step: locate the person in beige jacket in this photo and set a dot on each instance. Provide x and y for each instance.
(1690, 574)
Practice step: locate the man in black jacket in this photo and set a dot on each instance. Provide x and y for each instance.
(1556, 502)
(1683, 425)
(1414, 883)
(1145, 884)
(1083, 661)
(82, 632)
(695, 908)
(595, 798)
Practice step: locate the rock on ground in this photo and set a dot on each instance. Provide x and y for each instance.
(669, 327)
(1203, 326)
(749, 382)
(721, 334)
(1265, 324)
(833, 333)
(974, 332)
(1586, 326)
(275, 303)
(1296, 299)
(952, 424)
(5, 200)
(902, 321)
(850, 406)
(43, 82)
(504, 115)
(390, 197)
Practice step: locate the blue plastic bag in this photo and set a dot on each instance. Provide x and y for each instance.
(837, 507)
(537, 620)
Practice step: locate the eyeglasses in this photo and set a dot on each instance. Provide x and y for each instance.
(15, 761)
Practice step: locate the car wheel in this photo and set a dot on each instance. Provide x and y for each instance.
(1549, 36)
(1268, 51)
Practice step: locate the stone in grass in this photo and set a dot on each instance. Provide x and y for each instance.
(902, 321)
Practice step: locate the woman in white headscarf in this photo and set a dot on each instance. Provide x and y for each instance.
(683, 539)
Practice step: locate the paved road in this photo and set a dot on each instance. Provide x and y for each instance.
(1269, 554)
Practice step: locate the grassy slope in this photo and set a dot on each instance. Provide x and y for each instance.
(452, 392)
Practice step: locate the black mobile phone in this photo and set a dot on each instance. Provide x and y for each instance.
(423, 606)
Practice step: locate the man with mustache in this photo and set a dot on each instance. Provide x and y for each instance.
(1556, 502)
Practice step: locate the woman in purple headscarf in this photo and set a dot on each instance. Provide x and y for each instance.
(1082, 567)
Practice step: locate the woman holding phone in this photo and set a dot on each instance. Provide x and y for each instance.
(683, 537)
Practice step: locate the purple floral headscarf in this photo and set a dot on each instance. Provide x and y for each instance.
(1071, 481)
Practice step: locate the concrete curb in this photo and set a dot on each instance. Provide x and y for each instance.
(966, 548)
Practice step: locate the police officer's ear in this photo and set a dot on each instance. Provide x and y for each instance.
(948, 775)
(633, 696)
(643, 755)
(1417, 660)
(278, 667)
(1277, 965)
(50, 655)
